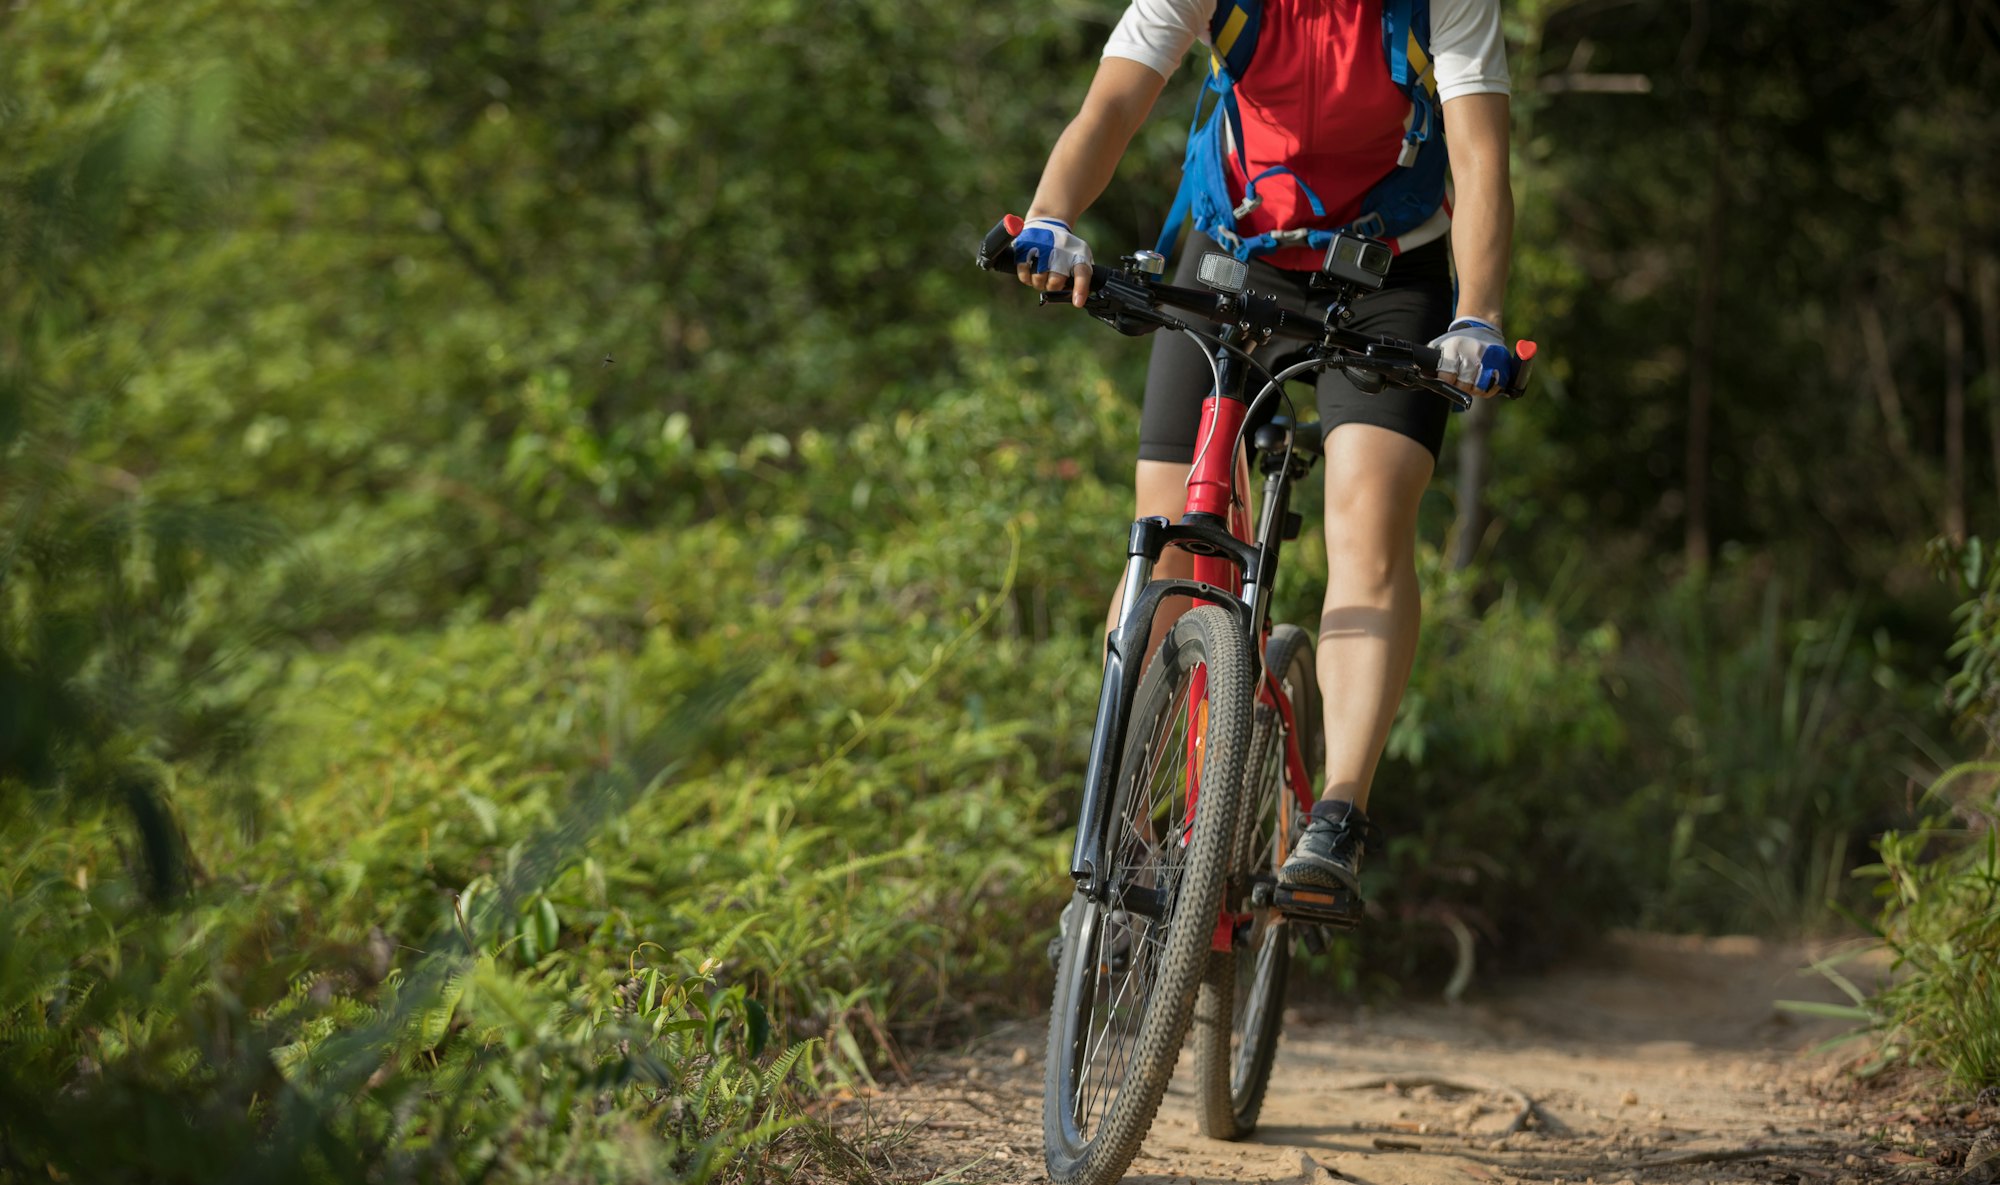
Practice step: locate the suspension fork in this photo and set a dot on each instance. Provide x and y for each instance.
(1124, 651)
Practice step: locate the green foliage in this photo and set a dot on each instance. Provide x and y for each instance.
(1973, 691)
(1502, 771)
(1939, 883)
(857, 846)
(98, 573)
(542, 623)
(1940, 919)
(1781, 748)
(236, 1036)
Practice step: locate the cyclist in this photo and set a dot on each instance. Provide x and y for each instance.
(1319, 104)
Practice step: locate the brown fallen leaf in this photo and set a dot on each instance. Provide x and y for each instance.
(1982, 1163)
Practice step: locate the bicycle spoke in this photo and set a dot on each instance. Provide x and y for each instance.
(1150, 856)
(1113, 1015)
(1268, 797)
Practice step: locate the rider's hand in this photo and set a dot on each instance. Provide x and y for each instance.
(1462, 347)
(1047, 255)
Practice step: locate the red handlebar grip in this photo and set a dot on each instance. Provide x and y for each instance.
(1524, 362)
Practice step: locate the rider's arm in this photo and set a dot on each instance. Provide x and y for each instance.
(1482, 218)
(1088, 152)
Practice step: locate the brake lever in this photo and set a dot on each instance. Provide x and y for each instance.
(1458, 399)
(1118, 301)
(1403, 364)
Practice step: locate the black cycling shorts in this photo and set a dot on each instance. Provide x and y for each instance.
(1414, 304)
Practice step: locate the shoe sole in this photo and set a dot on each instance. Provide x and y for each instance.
(1339, 907)
(1308, 872)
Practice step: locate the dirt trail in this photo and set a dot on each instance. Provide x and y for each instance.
(1663, 1060)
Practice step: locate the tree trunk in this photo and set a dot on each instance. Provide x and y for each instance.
(1701, 362)
(1882, 372)
(1989, 354)
(1954, 397)
(1474, 453)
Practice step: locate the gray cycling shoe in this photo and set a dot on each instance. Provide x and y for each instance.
(1328, 855)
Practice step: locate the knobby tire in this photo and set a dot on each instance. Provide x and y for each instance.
(1100, 1098)
(1240, 1007)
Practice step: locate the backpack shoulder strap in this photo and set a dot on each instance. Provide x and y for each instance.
(1204, 189)
(1406, 40)
(1232, 31)
(1397, 18)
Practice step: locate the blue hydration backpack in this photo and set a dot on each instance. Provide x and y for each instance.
(1396, 205)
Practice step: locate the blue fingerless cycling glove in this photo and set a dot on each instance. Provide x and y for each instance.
(1047, 245)
(1474, 353)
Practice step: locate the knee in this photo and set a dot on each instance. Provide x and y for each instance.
(1370, 545)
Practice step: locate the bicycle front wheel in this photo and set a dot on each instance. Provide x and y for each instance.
(1242, 1000)
(1131, 963)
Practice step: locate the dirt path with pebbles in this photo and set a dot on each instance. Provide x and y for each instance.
(1663, 1060)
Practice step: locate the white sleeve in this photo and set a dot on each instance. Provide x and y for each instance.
(1467, 50)
(1158, 33)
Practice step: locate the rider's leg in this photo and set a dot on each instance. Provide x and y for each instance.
(1375, 478)
(1380, 450)
(1162, 491)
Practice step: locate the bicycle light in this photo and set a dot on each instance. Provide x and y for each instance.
(1355, 260)
(1224, 273)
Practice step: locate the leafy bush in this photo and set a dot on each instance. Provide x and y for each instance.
(564, 890)
(1940, 883)
(238, 1036)
(1940, 920)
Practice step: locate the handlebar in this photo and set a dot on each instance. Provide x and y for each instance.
(1130, 301)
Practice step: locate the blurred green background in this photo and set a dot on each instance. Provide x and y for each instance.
(548, 614)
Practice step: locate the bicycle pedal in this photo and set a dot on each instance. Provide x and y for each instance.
(1338, 908)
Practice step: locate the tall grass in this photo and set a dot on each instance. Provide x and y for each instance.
(1776, 748)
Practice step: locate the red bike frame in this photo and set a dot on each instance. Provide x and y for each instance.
(1212, 490)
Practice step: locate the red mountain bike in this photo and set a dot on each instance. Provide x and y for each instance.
(1200, 767)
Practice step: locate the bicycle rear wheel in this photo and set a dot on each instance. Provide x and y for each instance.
(1241, 1004)
(1130, 965)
